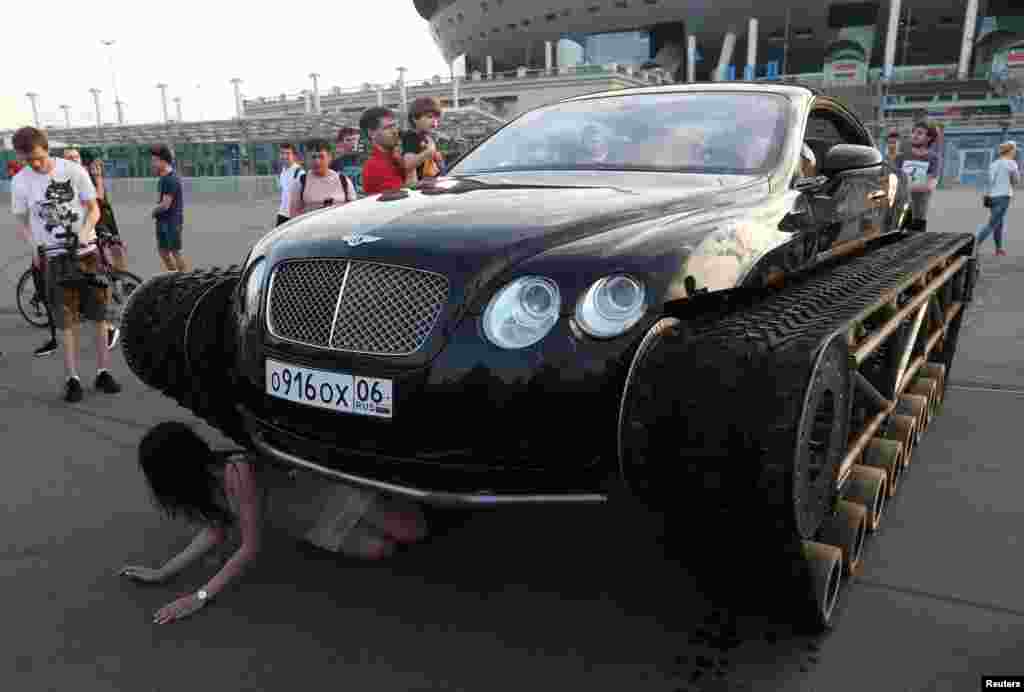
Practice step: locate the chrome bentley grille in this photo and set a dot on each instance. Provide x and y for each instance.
(359, 307)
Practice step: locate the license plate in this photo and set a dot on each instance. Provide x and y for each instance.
(334, 391)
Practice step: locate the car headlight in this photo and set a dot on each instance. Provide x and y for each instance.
(522, 313)
(611, 306)
(253, 284)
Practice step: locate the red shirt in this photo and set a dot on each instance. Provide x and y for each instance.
(382, 173)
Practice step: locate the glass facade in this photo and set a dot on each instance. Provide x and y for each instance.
(622, 47)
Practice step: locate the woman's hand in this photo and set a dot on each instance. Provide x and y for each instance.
(143, 574)
(179, 609)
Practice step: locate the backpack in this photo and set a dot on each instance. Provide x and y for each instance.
(342, 176)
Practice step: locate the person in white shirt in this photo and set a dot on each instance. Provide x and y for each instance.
(1003, 174)
(52, 197)
(290, 171)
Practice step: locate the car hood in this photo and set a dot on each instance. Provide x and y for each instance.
(472, 229)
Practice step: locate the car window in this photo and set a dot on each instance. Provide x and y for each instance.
(732, 133)
(826, 128)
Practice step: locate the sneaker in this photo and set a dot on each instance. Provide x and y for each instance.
(112, 337)
(105, 382)
(73, 391)
(1001, 253)
(46, 349)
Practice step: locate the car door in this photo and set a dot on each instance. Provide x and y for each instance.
(851, 205)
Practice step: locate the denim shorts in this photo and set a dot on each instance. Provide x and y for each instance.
(168, 235)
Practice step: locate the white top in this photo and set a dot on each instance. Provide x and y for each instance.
(999, 174)
(54, 202)
(288, 175)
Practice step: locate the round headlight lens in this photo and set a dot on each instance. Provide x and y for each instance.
(253, 284)
(522, 313)
(611, 306)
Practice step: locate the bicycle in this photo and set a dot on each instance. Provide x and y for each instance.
(122, 283)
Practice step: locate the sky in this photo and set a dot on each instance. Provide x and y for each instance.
(196, 48)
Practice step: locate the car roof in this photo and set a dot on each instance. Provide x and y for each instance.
(785, 89)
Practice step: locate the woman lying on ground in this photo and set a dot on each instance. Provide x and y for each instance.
(226, 491)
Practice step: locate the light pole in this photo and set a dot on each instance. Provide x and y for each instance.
(163, 97)
(67, 116)
(316, 92)
(113, 81)
(33, 97)
(177, 103)
(238, 97)
(96, 99)
(402, 92)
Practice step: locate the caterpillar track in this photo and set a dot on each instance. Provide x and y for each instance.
(178, 338)
(783, 421)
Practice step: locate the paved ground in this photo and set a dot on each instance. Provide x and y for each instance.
(546, 600)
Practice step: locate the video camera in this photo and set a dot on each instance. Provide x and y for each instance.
(71, 273)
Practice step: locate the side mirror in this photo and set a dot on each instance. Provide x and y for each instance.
(850, 157)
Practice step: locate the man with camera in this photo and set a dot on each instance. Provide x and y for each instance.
(55, 202)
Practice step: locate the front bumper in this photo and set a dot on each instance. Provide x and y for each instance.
(407, 477)
(476, 426)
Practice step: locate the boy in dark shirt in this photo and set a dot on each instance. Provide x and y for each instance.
(419, 150)
(169, 213)
(922, 167)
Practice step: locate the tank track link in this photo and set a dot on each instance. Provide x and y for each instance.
(178, 338)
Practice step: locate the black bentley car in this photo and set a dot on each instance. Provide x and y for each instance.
(468, 342)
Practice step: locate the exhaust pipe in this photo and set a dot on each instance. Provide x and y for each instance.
(902, 429)
(886, 455)
(867, 486)
(824, 562)
(846, 530)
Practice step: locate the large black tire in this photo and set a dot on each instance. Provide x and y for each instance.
(178, 337)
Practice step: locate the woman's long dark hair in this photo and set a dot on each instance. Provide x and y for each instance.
(178, 464)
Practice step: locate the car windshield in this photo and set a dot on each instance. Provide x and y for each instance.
(715, 133)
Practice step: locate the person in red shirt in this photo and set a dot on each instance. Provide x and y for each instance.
(383, 170)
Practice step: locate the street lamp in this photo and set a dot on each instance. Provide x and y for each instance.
(67, 116)
(33, 97)
(96, 98)
(163, 96)
(113, 81)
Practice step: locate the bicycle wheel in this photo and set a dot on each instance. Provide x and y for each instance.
(30, 303)
(122, 284)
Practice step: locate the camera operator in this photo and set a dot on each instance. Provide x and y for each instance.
(55, 202)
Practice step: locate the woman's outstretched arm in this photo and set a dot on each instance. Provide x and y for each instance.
(240, 482)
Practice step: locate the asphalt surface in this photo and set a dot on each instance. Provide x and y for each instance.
(509, 600)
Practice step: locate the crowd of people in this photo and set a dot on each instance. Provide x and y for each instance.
(396, 160)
